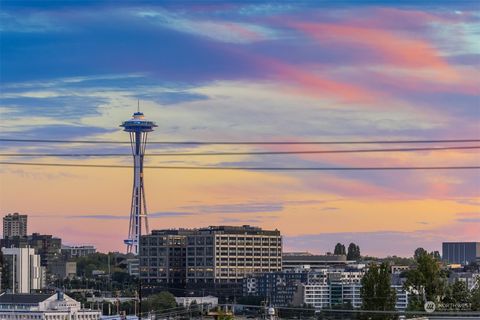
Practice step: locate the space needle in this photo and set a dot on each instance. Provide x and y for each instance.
(138, 128)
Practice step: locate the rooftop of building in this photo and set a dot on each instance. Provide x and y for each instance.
(24, 298)
(245, 229)
(15, 215)
(77, 246)
(173, 232)
(314, 257)
(462, 242)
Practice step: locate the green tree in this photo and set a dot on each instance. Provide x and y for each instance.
(353, 252)
(339, 249)
(475, 298)
(376, 292)
(419, 252)
(4, 271)
(457, 292)
(158, 302)
(425, 282)
(437, 255)
(223, 315)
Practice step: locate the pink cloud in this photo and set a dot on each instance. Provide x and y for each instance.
(389, 47)
(466, 83)
(316, 85)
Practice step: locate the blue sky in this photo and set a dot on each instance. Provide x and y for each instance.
(241, 71)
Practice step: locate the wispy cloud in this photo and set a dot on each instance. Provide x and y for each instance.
(237, 208)
(224, 31)
(28, 23)
(126, 217)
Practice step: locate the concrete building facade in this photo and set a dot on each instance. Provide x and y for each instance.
(162, 256)
(213, 255)
(14, 225)
(47, 246)
(24, 270)
(226, 254)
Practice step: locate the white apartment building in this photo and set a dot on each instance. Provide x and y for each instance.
(402, 298)
(325, 295)
(43, 306)
(24, 269)
(471, 279)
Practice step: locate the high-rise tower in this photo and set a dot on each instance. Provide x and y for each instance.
(138, 128)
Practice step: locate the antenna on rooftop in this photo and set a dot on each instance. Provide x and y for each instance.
(138, 105)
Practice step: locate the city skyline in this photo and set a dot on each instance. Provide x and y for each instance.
(245, 72)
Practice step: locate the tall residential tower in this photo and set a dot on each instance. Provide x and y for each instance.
(138, 128)
(14, 225)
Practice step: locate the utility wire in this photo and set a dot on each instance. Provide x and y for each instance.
(242, 142)
(170, 154)
(246, 168)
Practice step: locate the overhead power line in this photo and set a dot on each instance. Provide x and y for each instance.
(169, 154)
(242, 142)
(245, 168)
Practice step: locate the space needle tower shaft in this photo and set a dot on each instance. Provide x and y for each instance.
(138, 128)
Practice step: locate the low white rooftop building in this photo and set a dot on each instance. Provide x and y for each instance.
(43, 306)
(186, 301)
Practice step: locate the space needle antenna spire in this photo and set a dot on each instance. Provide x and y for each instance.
(138, 128)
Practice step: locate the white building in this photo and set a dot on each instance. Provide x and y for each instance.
(25, 271)
(43, 306)
(186, 301)
(329, 287)
(471, 279)
(133, 267)
(326, 295)
(78, 251)
(316, 295)
(402, 297)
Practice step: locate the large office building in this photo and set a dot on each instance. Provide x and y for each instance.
(43, 306)
(23, 270)
(227, 254)
(14, 225)
(213, 255)
(461, 252)
(163, 255)
(47, 246)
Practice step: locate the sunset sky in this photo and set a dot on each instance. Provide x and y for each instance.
(245, 71)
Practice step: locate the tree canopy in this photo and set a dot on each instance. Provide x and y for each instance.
(339, 249)
(158, 302)
(376, 292)
(353, 252)
(425, 281)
